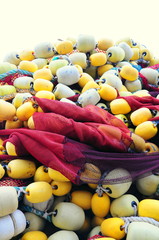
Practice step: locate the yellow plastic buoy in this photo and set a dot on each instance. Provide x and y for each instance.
(60, 188)
(41, 174)
(26, 110)
(7, 89)
(45, 94)
(41, 84)
(120, 106)
(27, 54)
(32, 235)
(28, 66)
(105, 43)
(146, 130)
(2, 171)
(107, 92)
(100, 205)
(44, 73)
(140, 115)
(10, 149)
(21, 169)
(56, 175)
(102, 69)
(14, 123)
(38, 192)
(98, 59)
(112, 227)
(149, 208)
(81, 198)
(7, 110)
(151, 147)
(85, 78)
(64, 47)
(89, 85)
(129, 73)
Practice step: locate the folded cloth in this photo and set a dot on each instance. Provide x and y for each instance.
(91, 125)
(69, 156)
(89, 113)
(52, 150)
(136, 102)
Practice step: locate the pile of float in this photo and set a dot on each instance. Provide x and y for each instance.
(50, 206)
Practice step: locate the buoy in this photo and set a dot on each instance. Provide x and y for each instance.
(147, 185)
(63, 234)
(60, 188)
(34, 222)
(42, 206)
(19, 221)
(117, 188)
(6, 228)
(68, 216)
(82, 198)
(113, 227)
(149, 208)
(126, 205)
(142, 231)
(37, 192)
(32, 235)
(8, 200)
(100, 205)
(41, 174)
(21, 169)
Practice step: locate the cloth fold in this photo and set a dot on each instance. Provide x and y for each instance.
(69, 156)
(136, 102)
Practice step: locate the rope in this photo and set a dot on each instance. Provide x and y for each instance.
(135, 210)
(21, 190)
(44, 214)
(11, 72)
(100, 190)
(128, 220)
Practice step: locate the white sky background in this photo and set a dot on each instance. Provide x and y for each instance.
(24, 23)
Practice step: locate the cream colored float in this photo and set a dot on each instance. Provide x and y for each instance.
(142, 231)
(116, 190)
(68, 216)
(64, 234)
(8, 200)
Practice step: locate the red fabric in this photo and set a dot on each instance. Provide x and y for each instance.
(89, 113)
(51, 149)
(136, 102)
(91, 125)
(69, 156)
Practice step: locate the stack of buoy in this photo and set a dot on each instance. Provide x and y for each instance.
(99, 72)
